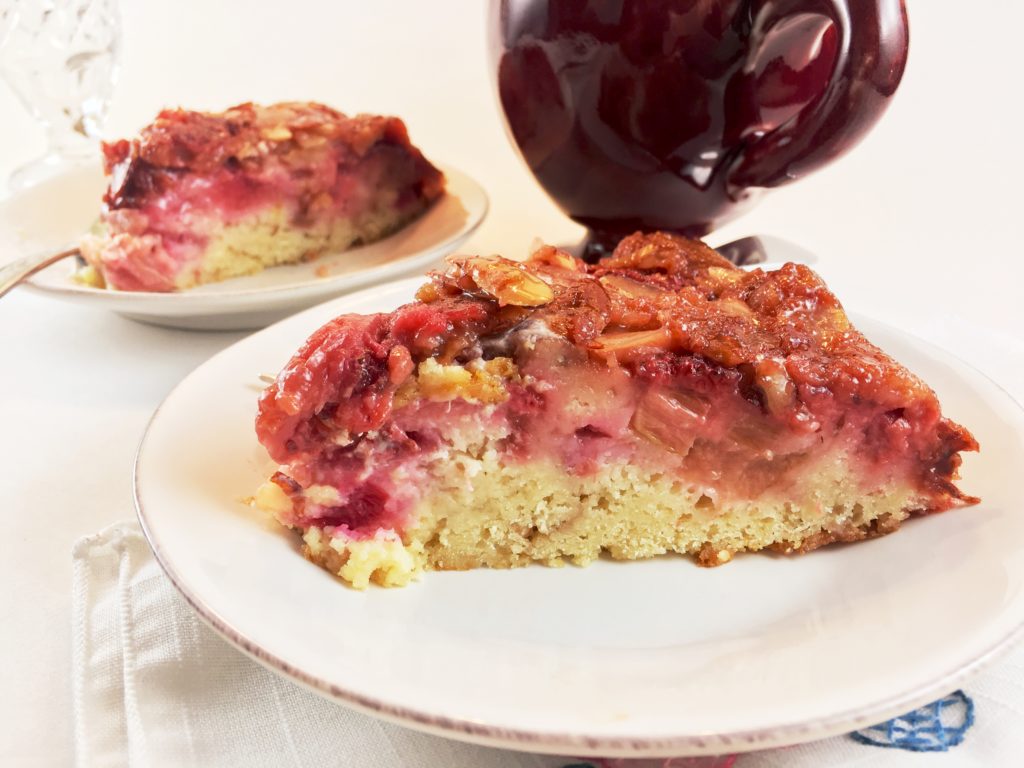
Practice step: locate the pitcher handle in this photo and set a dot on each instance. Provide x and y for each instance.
(873, 38)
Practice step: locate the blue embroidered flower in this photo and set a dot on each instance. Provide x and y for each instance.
(934, 728)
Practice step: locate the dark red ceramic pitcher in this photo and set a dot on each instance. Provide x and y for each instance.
(674, 114)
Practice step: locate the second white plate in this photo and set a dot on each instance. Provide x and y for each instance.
(56, 212)
(651, 658)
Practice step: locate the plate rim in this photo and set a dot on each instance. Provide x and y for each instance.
(563, 742)
(232, 300)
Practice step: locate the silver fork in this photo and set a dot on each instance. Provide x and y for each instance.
(21, 269)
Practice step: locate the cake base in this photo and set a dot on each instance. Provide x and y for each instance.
(269, 240)
(251, 244)
(481, 512)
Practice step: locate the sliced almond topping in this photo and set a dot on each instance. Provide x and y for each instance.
(624, 342)
(508, 282)
(277, 133)
(631, 288)
(556, 257)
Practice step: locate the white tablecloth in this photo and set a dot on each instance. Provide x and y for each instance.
(919, 226)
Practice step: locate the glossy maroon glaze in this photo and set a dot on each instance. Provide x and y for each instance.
(673, 114)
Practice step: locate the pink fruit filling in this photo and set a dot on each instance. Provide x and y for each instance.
(330, 420)
(170, 233)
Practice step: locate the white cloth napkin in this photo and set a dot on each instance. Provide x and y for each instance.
(153, 686)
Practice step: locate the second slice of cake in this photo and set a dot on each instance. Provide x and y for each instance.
(200, 197)
(660, 401)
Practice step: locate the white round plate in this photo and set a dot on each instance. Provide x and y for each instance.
(651, 658)
(55, 213)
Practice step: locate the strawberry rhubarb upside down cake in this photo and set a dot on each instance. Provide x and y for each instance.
(659, 401)
(200, 197)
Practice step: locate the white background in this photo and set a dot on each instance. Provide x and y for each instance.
(920, 225)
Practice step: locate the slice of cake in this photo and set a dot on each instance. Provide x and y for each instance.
(200, 197)
(660, 401)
